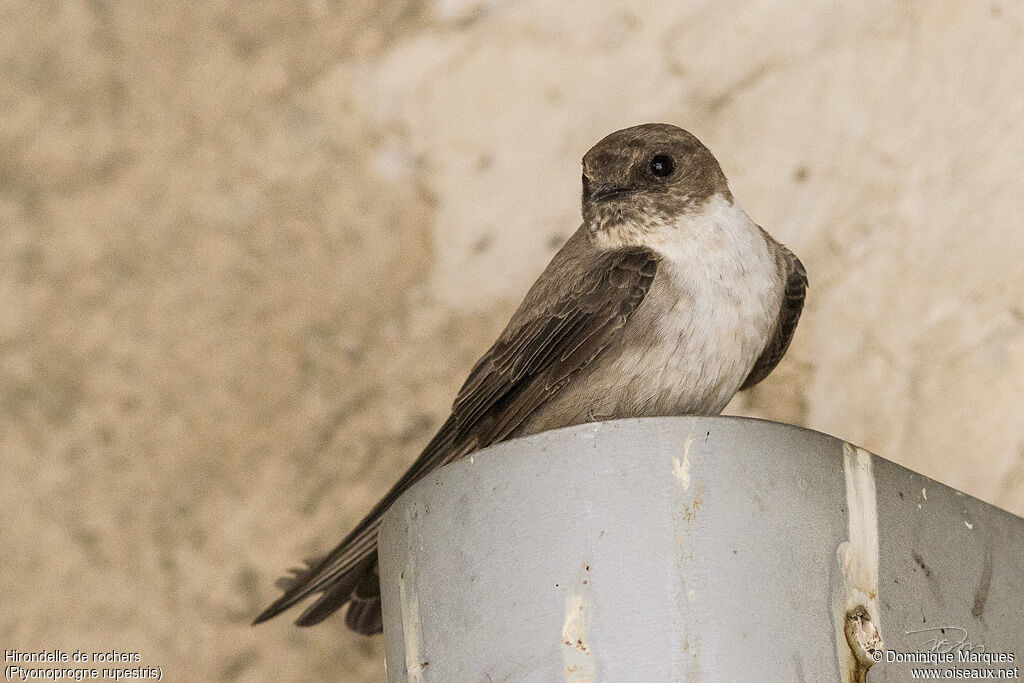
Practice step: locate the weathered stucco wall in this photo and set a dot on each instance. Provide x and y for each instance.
(248, 254)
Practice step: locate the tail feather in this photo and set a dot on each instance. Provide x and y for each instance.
(335, 576)
(298, 575)
(364, 613)
(360, 589)
(338, 594)
(365, 617)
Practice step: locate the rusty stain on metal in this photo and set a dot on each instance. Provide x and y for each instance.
(864, 641)
(858, 633)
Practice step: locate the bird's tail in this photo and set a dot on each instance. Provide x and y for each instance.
(359, 586)
(349, 573)
(360, 589)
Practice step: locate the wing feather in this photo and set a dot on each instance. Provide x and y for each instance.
(557, 331)
(789, 316)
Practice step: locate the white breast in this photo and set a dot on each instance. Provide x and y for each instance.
(708, 315)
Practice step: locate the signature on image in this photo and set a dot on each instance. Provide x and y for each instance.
(948, 639)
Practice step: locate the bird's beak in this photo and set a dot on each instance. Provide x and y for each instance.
(604, 193)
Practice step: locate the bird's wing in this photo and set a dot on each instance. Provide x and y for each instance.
(550, 340)
(570, 314)
(789, 315)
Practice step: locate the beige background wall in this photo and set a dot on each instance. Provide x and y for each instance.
(248, 253)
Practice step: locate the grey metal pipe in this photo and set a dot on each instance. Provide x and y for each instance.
(692, 548)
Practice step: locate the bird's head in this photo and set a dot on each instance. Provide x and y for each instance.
(646, 178)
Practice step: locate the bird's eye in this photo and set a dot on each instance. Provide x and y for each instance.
(662, 165)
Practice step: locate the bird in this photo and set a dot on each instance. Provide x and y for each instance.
(667, 300)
